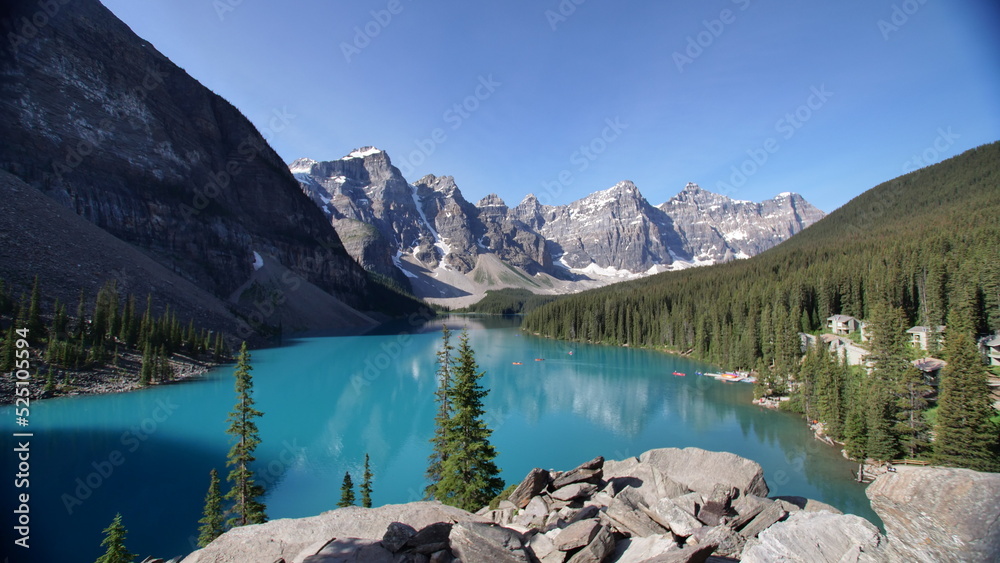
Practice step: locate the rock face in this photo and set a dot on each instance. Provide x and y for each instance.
(428, 229)
(818, 537)
(599, 511)
(939, 514)
(296, 539)
(100, 121)
(701, 470)
(716, 228)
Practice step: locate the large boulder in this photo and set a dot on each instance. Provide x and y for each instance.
(818, 537)
(701, 470)
(478, 541)
(297, 538)
(532, 485)
(939, 513)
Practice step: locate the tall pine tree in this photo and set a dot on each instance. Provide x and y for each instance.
(212, 521)
(469, 477)
(964, 434)
(346, 492)
(247, 509)
(114, 540)
(366, 484)
(443, 398)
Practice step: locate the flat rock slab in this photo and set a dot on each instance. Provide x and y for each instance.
(763, 521)
(478, 541)
(532, 485)
(676, 518)
(350, 550)
(939, 513)
(689, 554)
(701, 470)
(805, 504)
(637, 550)
(589, 471)
(818, 537)
(597, 550)
(577, 535)
(631, 520)
(574, 491)
(288, 538)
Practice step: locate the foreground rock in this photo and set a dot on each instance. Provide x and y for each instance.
(294, 539)
(818, 537)
(939, 514)
(658, 507)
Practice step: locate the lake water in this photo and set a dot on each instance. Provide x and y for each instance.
(329, 400)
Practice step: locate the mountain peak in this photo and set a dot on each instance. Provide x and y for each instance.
(491, 200)
(363, 152)
(302, 165)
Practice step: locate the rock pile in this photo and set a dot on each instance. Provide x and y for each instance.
(666, 506)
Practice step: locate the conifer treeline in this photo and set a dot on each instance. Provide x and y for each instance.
(101, 329)
(920, 249)
(914, 242)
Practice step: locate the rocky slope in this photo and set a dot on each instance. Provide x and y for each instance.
(100, 121)
(663, 506)
(448, 248)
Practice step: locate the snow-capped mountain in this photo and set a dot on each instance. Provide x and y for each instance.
(428, 235)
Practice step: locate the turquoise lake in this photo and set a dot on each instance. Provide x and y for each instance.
(328, 400)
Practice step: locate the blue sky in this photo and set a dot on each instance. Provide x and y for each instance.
(562, 98)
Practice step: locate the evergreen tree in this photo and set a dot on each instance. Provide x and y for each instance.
(34, 322)
(469, 477)
(81, 317)
(147, 371)
(443, 398)
(247, 509)
(114, 539)
(856, 432)
(346, 492)
(964, 434)
(213, 521)
(881, 442)
(9, 353)
(366, 485)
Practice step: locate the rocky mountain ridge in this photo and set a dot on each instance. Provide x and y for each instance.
(448, 248)
(101, 122)
(662, 506)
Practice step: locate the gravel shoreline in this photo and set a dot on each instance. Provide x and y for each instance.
(103, 380)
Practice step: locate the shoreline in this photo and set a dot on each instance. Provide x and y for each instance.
(105, 380)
